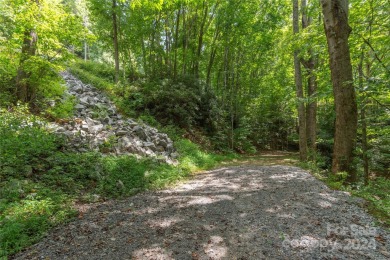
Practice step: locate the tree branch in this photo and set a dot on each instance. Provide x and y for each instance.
(376, 55)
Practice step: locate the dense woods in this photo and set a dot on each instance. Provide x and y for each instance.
(231, 76)
(231, 66)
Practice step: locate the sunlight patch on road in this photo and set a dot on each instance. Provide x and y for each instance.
(204, 200)
(215, 248)
(324, 204)
(164, 223)
(285, 177)
(155, 252)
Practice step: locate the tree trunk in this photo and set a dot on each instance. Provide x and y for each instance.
(299, 90)
(337, 32)
(364, 143)
(85, 51)
(185, 41)
(176, 43)
(363, 119)
(144, 57)
(24, 91)
(115, 40)
(212, 55)
(311, 108)
(200, 39)
(167, 48)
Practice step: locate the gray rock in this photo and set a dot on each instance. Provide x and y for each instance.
(139, 131)
(121, 133)
(107, 120)
(78, 89)
(79, 107)
(150, 146)
(84, 100)
(125, 142)
(92, 122)
(68, 134)
(169, 148)
(60, 129)
(149, 153)
(160, 149)
(162, 143)
(96, 128)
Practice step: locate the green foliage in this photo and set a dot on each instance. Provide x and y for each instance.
(57, 29)
(24, 143)
(63, 108)
(87, 77)
(100, 70)
(378, 194)
(185, 102)
(379, 154)
(122, 176)
(72, 172)
(28, 211)
(337, 180)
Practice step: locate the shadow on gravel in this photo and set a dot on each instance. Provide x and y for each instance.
(247, 212)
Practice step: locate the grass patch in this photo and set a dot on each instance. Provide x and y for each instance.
(96, 81)
(377, 193)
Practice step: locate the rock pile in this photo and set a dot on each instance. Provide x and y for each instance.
(98, 126)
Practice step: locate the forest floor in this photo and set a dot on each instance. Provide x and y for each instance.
(258, 207)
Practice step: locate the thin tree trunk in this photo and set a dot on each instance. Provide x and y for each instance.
(144, 58)
(200, 39)
(299, 90)
(365, 143)
(176, 43)
(115, 40)
(85, 51)
(311, 108)
(337, 32)
(364, 122)
(167, 49)
(24, 91)
(212, 56)
(185, 41)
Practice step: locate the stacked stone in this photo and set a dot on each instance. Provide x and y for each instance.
(98, 126)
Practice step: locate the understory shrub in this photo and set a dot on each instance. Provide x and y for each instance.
(24, 143)
(185, 102)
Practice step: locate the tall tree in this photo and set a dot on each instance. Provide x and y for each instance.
(299, 89)
(310, 65)
(24, 90)
(115, 39)
(337, 32)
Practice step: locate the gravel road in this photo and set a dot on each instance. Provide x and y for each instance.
(241, 212)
